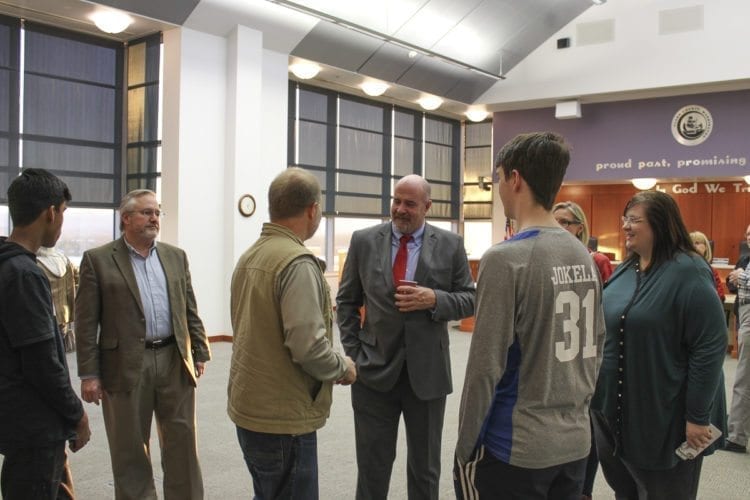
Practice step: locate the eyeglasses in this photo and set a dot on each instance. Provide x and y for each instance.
(628, 220)
(568, 223)
(150, 212)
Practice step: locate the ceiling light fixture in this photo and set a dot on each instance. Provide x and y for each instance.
(111, 21)
(476, 114)
(304, 70)
(430, 102)
(644, 183)
(599, 2)
(374, 88)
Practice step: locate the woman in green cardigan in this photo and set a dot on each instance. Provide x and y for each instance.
(661, 381)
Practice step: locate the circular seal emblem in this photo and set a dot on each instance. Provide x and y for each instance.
(692, 125)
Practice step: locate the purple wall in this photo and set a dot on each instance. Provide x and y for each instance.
(630, 134)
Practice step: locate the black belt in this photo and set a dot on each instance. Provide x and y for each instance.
(158, 344)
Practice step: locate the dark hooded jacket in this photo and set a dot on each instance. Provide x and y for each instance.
(38, 406)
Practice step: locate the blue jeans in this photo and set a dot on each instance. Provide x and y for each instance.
(282, 466)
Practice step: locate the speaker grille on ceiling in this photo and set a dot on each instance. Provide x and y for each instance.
(595, 32)
(681, 20)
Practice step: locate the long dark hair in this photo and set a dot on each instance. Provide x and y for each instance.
(663, 216)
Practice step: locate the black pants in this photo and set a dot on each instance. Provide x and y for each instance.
(488, 477)
(36, 474)
(633, 483)
(592, 465)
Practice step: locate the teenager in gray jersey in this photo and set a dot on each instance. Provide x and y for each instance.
(524, 422)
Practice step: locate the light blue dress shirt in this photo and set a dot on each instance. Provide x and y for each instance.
(152, 286)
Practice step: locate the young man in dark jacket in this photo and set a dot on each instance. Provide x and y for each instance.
(39, 411)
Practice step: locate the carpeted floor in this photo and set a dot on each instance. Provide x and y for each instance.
(726, 476)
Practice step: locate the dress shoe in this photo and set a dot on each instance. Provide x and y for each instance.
(737, 448)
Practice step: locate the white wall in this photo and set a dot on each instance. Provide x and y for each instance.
(193, 160)
(225, 108)
(638, 58)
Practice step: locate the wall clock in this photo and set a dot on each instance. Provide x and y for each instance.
(246, 205)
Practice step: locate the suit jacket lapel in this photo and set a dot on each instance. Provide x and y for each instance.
(386, 264)
(429, 239)
(169, 265)
(122, 260)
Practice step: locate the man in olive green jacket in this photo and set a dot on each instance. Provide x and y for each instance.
(283, 362)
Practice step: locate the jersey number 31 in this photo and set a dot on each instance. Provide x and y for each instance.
(567, 350)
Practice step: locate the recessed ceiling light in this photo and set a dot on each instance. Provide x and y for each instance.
(476, 114)
(599, 2)
(304, 70)
(644, 183)
(111, 21)
(430, 102)
(374, 87)
(412, 54)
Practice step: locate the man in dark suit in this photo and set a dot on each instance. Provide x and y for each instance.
(401, 347)
(141, 346)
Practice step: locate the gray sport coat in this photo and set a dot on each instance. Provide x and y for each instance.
(387, 338)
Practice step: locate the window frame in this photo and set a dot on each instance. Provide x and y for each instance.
(387, 175)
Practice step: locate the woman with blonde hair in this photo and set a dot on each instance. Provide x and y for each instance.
(703, 247)
(572, 218)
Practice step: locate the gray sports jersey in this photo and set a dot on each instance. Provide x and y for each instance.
(535, 351)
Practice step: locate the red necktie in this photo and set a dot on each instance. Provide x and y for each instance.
(399, 265)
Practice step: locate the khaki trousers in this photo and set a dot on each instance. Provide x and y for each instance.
(739, 413)
(163, 390)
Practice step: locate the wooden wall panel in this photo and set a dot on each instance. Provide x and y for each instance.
(696, 212)
(729, 220)
(580, 196)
